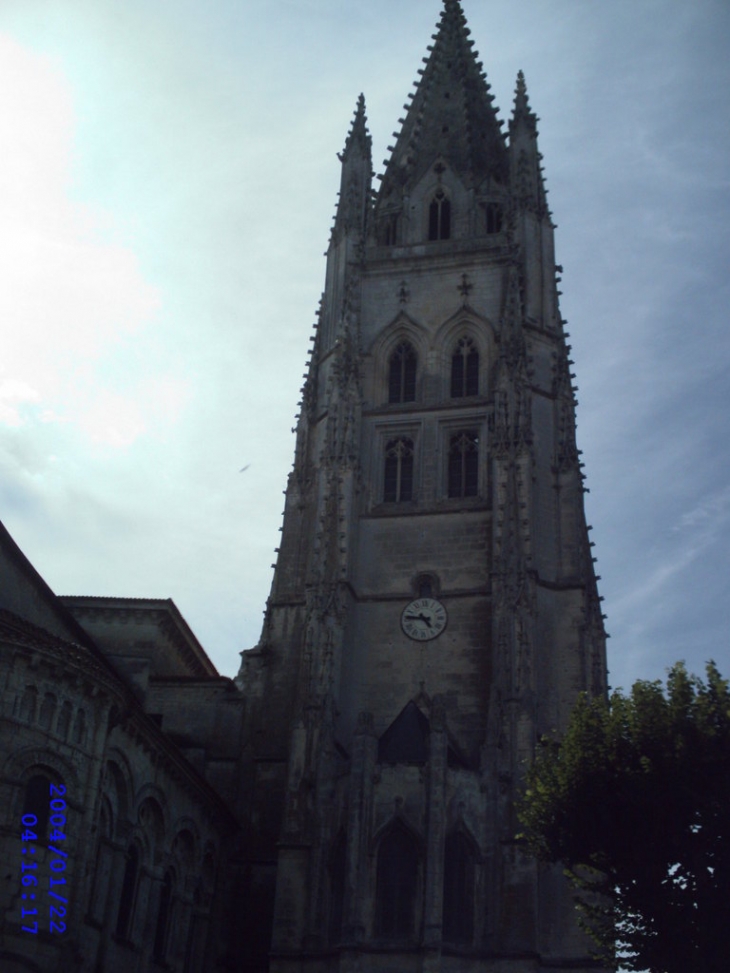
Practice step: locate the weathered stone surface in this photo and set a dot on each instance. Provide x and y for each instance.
(401, 747)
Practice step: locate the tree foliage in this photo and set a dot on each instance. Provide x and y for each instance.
(635, 801)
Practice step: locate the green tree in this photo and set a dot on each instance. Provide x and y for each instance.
(634, 800)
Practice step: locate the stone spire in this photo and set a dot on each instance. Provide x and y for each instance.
(526, 171)
(451, 114)
(356, 178)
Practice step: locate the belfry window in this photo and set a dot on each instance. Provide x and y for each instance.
(396, 885)
(458, 889)
(493, 218)
(390, 229)
(402, 374)
(439, 217)
(398, 478)
(464, 369)
(464, 464)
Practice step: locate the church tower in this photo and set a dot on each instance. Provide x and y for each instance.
(434, 605)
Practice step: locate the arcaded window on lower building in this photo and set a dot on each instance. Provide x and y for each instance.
(464, 369)
(36, 805)
(459, 872)
(439, 217)
(464, 464)
(398, 471)
(402, 374)
(396, 886)
(129, 893)
(162, 926)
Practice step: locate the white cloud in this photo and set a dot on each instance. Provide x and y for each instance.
(69, 294)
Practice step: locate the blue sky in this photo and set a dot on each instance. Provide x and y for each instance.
(168, 176)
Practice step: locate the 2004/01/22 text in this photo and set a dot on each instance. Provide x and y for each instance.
(30, 878)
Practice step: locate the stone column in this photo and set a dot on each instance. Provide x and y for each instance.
(364, 755)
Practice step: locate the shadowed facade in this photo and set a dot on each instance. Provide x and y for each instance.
(434, 605)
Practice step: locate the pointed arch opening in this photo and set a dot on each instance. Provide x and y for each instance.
(464, 464)
(398, 471)
(336, 870)
(459, 877)
(397, 885)
(402, 374)
(494, 218)
(464, 369)
(439, 216)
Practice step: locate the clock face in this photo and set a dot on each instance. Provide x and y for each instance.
(423, 619)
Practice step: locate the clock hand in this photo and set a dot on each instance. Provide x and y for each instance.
(419, 618)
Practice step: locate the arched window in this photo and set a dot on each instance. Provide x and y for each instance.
(36, 802)
(425, 586)
(80, 727)
(464, 464)
(439, 217)
(159, 950)
(458, 916)
(129, 892)
(337, 888)
(398, 474)
(64, 721)
(464, 369)
(494, 217)
(103, 868)
(402, 374)
(28, 704)
(396, 885)
(48, 708)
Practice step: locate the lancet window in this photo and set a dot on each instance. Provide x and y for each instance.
(439, 217)
(398, 471)
(396, 885)
(464, 464)
(390, 229)
(337, 862)
(464, 369)
(402, 374)
(458, 915)
(494, 217)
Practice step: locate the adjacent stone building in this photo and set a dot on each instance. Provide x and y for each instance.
(119, 748)
(348, 803)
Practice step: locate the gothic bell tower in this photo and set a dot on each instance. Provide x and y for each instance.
(434, 606)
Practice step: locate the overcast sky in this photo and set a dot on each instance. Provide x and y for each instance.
(168, 176)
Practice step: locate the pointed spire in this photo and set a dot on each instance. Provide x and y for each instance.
(522, 114)
(358, 138)
(450, 115)
(526, 171)
(356, 179)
